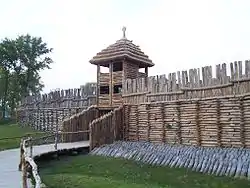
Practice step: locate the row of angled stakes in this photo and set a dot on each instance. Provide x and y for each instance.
(233, 162)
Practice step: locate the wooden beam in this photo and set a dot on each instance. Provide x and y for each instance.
(146, 71)
(123, 77)
(146, 79)
(111, 83)
(98, 85)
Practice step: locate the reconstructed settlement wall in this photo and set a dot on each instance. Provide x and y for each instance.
(45, 112)
(191, 107)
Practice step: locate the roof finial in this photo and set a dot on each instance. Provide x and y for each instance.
(124, 31)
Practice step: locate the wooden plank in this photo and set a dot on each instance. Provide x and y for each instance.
(183, 80)
(240, 69)
(174, 86)
(179, 79)
(191, 79)
(232, 71)
(236, 70)
(98, 85)
(111, 83)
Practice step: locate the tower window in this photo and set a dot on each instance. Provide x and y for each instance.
(104, 89)
(117, 66)
(117, 88)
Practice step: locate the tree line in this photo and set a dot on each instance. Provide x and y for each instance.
(21, 60)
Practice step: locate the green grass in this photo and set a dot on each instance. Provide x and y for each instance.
(13, 131)
(100, 172)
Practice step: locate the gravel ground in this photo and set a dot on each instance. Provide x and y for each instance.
(234, 162)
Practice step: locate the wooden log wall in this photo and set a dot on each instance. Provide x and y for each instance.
(107, 128)
(104, 99)
(131, 70)
(45, 112)
(105, 78)
(84, 96)
(142, 75)
(79, 122)
(195, 83)
(116, 100)
(45, 119)
(215, 121)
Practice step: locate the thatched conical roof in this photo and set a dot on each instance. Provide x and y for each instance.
(122, 49)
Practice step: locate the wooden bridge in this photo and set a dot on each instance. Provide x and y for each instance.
(88, 129)
(9, 160)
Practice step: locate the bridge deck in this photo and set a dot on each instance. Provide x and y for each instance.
(38, 150)
(9, 161)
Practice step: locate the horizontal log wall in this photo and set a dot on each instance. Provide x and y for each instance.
(222, 122)
(104, 79)
(142, 75)
(117, 78)
(117, 99)
(104, 100)
(131, 70)
(195, 83)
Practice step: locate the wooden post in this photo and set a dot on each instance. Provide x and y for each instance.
(24, 172)
(111, 83)
(90, 137)
(146, 71)
(123, 78)
(56, 135)
(31, 147)
(218, 123)
(137, 122)
(21, 156)
(98, 85)
(179, 136)
(163, 122)
(242, 123)
(148, 122)
(197, 123)
(146, 79)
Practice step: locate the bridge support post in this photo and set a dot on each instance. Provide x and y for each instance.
(31, 147)
(56, 137)
(21, 156)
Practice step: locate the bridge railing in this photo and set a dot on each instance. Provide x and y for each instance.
(27, 163)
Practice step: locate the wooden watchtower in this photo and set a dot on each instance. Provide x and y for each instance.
(124, 60)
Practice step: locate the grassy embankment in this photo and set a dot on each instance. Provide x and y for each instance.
(11, 134)
(99, 172)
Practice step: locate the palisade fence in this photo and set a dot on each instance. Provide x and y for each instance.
(195, 83)
(107, 128)
(79, 122)
(45, 112)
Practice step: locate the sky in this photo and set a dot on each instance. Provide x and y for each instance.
(176, 34)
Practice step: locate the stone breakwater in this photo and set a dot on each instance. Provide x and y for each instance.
(234, 162)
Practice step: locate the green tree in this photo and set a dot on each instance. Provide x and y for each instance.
(8, 60)
(2, 86)
(33, 56)
(21, 61)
